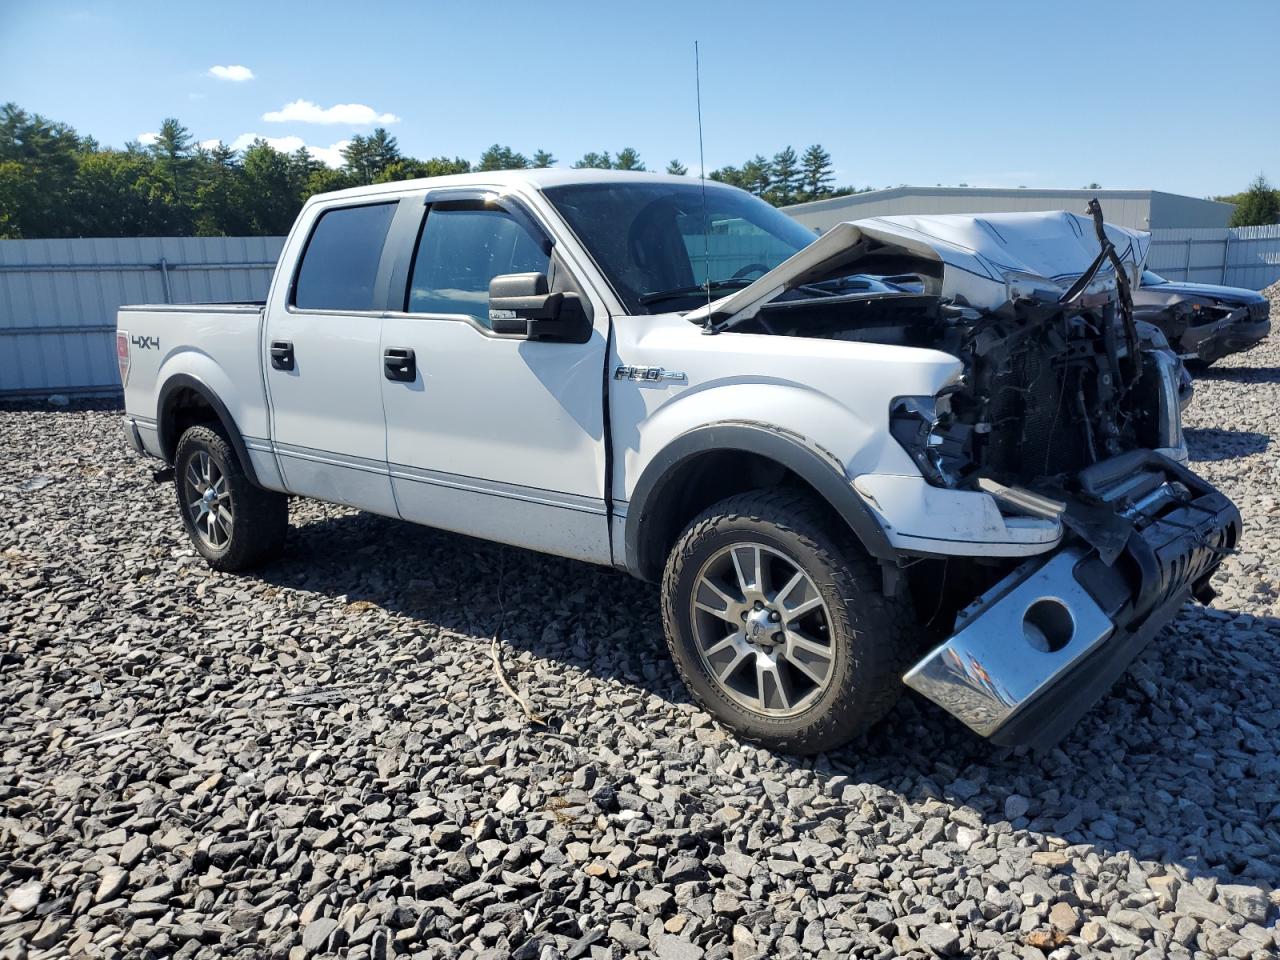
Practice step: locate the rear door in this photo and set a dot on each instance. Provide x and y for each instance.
(322, 366)
(494, 436)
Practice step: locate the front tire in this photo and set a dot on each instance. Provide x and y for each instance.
(231, 522)
(777, 623)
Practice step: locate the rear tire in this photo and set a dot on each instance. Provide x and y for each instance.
(808, 618)
(233, 523)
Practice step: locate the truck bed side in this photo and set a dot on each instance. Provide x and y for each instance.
(209, 348)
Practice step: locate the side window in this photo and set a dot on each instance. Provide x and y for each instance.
(461, 249)
(340, 264)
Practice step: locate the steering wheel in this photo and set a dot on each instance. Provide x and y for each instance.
(759, 268)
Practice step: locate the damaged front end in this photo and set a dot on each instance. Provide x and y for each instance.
(1067, 412)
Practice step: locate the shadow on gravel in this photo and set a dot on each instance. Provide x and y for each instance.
(1143, 772)
(1241, 374)
(1211, 443)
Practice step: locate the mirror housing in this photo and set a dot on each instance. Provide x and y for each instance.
(520, 305)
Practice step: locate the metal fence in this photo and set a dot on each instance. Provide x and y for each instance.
(1234, 256)
(58, 299)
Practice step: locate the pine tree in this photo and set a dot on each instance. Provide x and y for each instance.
(594, 161)
(543, 159)
(499, 157)
(628, 159)
(816, 173)
(786, 178)
(677, 168)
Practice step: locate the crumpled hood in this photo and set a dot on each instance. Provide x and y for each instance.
(981, 261)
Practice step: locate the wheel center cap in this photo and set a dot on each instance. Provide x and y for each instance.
(759, 628)
(208, 495)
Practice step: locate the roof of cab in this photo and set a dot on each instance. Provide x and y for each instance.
(537, 178)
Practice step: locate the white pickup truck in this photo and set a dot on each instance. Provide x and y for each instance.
(931, 450)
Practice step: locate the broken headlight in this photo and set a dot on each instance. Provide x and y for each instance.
(938, 445)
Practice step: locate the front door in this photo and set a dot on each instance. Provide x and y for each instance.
(323, 368)
(495, 436)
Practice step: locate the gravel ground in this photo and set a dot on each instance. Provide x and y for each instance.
(318, 758)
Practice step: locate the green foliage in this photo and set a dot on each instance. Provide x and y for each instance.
(1258, 205)
(499, 157)
(816, 174)
(595, 161)
(627, 159)
(56, 183)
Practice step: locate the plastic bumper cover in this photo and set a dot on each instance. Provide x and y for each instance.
(1036, 651)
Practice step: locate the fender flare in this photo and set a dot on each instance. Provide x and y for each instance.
(164, 422)
(818, 468)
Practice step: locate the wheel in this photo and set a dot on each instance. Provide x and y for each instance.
(233, 523)
(778, 625)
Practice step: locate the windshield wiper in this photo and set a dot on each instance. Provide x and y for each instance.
(730, 283)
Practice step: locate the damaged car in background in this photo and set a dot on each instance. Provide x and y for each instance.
(1203, 322)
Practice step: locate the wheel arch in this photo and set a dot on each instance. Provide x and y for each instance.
(678, 483)
(183, 395)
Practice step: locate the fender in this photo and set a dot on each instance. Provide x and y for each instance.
(164, 424)
(814, 465)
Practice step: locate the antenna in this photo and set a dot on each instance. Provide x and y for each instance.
(702, 175)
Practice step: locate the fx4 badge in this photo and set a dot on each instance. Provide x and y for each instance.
(647, 374)
(146, 343)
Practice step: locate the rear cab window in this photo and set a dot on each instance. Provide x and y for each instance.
(339, 268)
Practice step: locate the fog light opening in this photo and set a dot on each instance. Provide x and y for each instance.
(1048, 625)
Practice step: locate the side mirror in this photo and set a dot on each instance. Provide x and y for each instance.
(519, 304)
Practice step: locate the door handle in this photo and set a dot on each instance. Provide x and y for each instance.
(282, 354)
(398, 363)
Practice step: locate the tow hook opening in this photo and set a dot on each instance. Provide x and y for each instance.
(1048, 625)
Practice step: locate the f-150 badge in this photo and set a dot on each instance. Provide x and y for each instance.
(647, 374)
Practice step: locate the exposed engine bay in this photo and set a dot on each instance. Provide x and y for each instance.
(1051, 385)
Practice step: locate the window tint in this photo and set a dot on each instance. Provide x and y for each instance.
(341, 261)
(461, 250)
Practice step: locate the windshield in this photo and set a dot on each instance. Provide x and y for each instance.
(654, 245)
(1150, 279)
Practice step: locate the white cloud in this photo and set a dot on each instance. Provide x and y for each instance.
(208, 144)
(330, 156)
(147, 139)
(352, 114)
(233, 72)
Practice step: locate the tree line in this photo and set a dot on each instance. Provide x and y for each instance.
(55, 182)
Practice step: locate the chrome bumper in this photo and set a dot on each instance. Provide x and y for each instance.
(1011, 646)
(1034, 652)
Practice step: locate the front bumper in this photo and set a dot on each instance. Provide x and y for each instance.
(1034, 652)
(1235, 333)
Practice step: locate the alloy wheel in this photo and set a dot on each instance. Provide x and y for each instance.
(208, 500)
(762, 629)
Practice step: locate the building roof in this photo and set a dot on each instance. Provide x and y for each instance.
(895, 192)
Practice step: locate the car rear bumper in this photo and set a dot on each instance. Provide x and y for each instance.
(1034, 652)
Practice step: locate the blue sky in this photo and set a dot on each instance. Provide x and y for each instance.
(1178, 96)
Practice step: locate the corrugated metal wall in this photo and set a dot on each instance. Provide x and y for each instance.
(1235, 256)
(58, 299)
